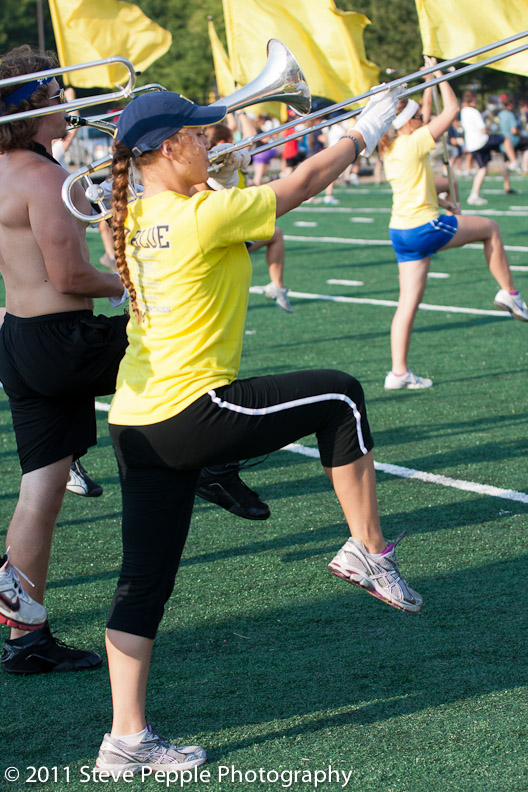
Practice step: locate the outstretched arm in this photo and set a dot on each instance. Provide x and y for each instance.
(317, 172)
(441, 123)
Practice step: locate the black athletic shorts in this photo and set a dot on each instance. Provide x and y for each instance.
(483, 155)
(292, 162)
(52, 367)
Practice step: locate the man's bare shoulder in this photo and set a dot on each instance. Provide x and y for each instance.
(29, 183)
(24, 167)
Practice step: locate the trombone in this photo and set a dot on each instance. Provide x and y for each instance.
(447, 65)
(215, 160)
(281, 80)
(101, 122)
(92, 120)
(123, 92)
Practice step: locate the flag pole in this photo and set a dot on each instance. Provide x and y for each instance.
(40, 27)
(443, 136)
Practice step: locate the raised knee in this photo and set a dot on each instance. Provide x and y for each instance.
(349, 385)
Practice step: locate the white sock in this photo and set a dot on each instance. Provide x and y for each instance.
(379, 555)
(132, 739)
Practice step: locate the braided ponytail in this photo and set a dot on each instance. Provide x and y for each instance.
(120, 177)
(120, 170)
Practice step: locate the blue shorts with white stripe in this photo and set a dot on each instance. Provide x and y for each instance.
(413, 244)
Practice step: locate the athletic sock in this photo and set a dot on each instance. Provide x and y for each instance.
(132, 739)
(383, 552)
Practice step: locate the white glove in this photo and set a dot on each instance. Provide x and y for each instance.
(115, 302)
(227, 174)
(377, 116)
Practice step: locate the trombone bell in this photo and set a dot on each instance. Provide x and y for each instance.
(281, 80)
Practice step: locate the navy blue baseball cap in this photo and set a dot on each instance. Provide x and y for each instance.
(153, 117)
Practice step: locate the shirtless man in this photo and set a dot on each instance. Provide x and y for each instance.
(55, 356)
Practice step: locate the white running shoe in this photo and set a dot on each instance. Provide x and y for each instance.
(153, 752)
(377, 574)
(409, 380)
(280, 295)
(17, 609)
(330, 200)
(515, 167)
(476, 200)
(513, 303)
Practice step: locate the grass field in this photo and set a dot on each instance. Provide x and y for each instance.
(289, 677)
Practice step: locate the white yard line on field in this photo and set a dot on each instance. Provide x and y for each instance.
(513, 211)
(337, 282)
(431, 478)
(382, 242)
(387, 303)
(403, 472)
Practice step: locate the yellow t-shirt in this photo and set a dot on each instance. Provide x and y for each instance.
(409, 172)
(191, 271)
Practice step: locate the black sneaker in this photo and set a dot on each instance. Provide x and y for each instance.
(222, 485)
(40, 652)
(80, 482)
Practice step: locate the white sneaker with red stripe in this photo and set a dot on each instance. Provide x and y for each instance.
(17, 609)
(377, 574)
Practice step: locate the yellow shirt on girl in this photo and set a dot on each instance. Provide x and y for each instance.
(407, 168)
(189, 265)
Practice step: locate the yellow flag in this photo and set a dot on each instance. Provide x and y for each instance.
(89, 30)
(451, 28)
(226, 84)
(327, 43)
(223, 74)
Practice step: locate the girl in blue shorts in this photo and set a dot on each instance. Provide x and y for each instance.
(418, 230)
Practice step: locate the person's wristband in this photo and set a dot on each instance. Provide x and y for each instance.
(356, 144)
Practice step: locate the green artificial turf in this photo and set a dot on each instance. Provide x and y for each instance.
(289, 677)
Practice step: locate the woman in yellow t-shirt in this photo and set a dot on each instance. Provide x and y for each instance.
(418, 230)
(219, 134)
(179, 406)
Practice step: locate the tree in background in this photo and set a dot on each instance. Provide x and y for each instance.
(188, 66)
(18, 24)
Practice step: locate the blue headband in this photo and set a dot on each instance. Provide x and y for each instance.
(25, 91)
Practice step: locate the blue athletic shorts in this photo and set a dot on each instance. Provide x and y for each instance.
(411, 244)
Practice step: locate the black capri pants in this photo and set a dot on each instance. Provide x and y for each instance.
(159, 466)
